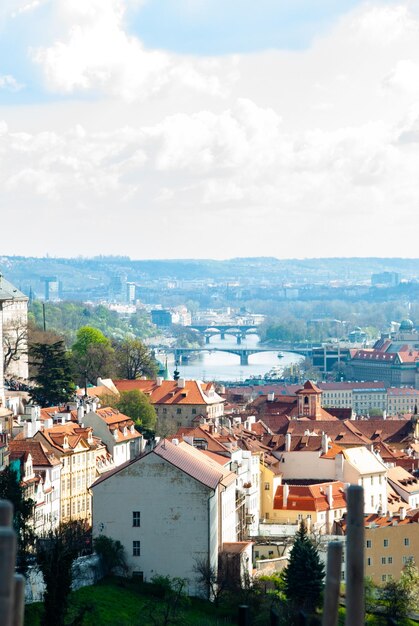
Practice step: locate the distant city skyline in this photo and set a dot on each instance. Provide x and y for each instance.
(206, 129)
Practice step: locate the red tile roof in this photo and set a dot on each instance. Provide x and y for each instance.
(311, 497)
(169, 392)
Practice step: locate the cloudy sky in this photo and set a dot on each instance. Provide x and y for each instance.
(209, 128)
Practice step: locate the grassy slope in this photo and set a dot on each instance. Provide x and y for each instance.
(112, 603)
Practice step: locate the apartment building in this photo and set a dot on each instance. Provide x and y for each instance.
(179, 403)
(170, 506)
(390, 542)
(401, 400)
(80, 454)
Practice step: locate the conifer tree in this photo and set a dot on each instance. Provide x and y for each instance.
(53, 378)
(303, 577)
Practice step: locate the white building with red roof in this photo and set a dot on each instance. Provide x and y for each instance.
(170, 507)
(117, 432)
(179, 403)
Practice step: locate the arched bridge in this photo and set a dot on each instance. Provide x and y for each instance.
(238, 330)
(243, 353)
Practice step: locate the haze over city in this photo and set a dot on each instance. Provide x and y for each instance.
(200, 130)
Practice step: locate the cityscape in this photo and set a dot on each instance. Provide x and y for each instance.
(209, 313)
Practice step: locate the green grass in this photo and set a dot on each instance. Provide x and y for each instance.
(126, 603)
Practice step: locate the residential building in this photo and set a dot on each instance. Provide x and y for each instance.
(179, 403)
(116, 431)
(405, 485)
(82, 456)
(4, 451)
(171, 506)
(390, 542)
(318, 504)
(46, 469)
(402, 400)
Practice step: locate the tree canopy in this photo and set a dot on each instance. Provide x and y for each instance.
(303, 577)
(53, 378)
(134, 359)
(12, 490)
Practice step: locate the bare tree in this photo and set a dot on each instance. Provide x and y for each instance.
(15, 342)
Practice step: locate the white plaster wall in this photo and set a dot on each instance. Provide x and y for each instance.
(228, 508)
(306, 465)
(375, 487)
(178, 519)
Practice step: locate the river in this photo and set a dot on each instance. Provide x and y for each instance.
(223, 366)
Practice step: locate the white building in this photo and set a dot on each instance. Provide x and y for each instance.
(317, 458)
(40, 473)
(116, 431)
(169, 508)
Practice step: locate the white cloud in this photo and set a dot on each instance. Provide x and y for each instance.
(9, 83)
(98, 54)
(307, 153)
(404, 77)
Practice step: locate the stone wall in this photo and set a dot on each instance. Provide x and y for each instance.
(86, 571)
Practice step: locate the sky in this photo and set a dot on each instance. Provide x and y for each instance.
(209, 128)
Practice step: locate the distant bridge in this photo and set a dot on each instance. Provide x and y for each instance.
(238, 330)
(183, 354)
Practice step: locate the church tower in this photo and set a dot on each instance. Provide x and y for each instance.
(309, 401)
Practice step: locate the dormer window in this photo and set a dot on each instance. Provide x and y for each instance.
(305, 399)
(115, 434)
(132, 429)
(65, 444)
(125, 431)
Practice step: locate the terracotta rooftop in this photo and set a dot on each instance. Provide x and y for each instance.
(311, 497)
(169, 391)
(186, 458)
(40, 454)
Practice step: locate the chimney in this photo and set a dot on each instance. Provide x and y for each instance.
(211, 429)
(159, 381)
(80, 413)
(339, 461)
(402, 513)
(329, 495)
(271, 396)
(287, 442)
(325, 443)
(181, 383)
(384, 415)
(286, 493)
(175, 442)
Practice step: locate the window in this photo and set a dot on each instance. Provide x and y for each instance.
(136, 518)
(136, 548)
(406, 541)
(385, 543)
(178, 411)
(368, 543)
(267, 487)
(384, 578)
(164, 410)
(193, 411)
(369, 561)
(383, 560)
(390, 560)
(342, 575)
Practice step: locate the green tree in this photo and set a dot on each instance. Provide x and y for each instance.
(172, 600)
(111, 554)
(88, 336)
(136, 405)
(98, 360)
(53, 376)
(56, 552)
(303, 577)
(134, 359)
(12, 490)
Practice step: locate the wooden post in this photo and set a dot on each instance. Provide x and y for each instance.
(19, 600)
(331, 593)
(7, 568)
(355, 603)
(6, 513)
(244, 615)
